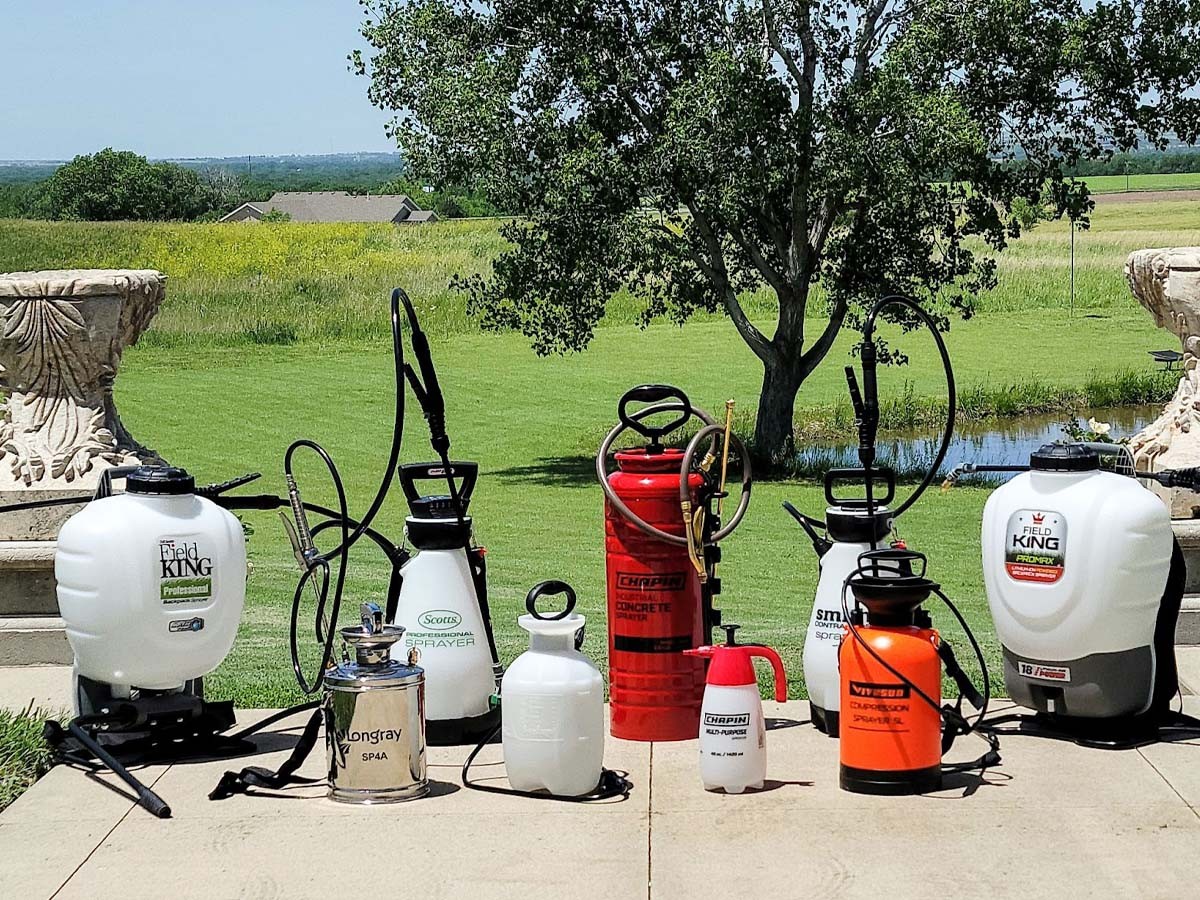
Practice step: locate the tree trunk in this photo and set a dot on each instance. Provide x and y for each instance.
(773, 437)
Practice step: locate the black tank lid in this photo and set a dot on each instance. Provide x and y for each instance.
(1059, 457)
(159, 480)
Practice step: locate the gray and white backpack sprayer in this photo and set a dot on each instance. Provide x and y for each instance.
(1084, 581)
(855, 524)
(150, 587)
(893, 727)
(663, 527)
(552, 698)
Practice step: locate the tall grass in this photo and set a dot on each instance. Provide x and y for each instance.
(233, 284)
(24, 755)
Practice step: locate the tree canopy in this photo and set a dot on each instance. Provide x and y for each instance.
(118, 184)
(691, 150)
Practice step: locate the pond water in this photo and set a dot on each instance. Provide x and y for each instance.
(992, 443)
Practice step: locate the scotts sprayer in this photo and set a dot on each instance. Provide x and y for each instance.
(857, 521)
(552, 698)
(440, 520)
(663, 527)
(1085, 581)
(442, 606)
(894, 726)
(733, 732)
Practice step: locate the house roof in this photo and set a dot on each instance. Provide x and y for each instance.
(422, 215)
(339, 206)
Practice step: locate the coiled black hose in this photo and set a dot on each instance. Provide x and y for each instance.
(326, 626)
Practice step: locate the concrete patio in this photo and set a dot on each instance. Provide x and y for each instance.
(1054, 820)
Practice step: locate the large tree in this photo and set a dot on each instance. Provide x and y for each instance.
(689, 151)
(112, 185)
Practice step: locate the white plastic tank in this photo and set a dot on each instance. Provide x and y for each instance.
(850, 534)
(733, 732)
(1075, 562)
(151, 583)
(439, 610)
(552, 705)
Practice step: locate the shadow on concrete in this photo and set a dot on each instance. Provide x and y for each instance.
(552, 471)
(966, 784)
(769, 785)
(780, 724)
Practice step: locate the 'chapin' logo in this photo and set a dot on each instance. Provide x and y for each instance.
(715, 720)
(672, 581)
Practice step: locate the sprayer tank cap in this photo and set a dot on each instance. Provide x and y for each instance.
(552, 627)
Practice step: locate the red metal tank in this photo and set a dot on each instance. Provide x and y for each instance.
(655, 605)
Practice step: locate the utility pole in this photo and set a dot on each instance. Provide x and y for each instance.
(249, 168)
(1072, 268)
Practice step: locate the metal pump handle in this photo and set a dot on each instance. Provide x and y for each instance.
(602, 470)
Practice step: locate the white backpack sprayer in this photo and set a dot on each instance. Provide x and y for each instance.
(1085, 580)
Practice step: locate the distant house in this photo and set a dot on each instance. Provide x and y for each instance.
(336, 206)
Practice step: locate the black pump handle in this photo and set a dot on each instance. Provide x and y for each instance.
(546, 588)
(883, 473)
(410, 473)
(653, 393)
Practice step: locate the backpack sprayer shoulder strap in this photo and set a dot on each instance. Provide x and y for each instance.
(259, 777)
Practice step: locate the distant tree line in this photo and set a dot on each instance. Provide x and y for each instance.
(119, 185)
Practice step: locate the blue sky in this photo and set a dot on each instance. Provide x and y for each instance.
(182, 79)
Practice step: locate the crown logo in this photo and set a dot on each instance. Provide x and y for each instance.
(1038, 518)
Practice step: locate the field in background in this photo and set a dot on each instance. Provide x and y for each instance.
(293, 282)
(275, 332)
(1175, 181)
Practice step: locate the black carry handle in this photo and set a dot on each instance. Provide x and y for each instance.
(894, 558)
(410, 473)
(653, 393)
(833, 476)
(546, 588)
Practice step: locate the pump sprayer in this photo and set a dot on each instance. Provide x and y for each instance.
(660, 561)
(733, 736)
(857, 521)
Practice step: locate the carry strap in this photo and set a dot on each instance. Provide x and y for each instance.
(258, 777)
(955, 723)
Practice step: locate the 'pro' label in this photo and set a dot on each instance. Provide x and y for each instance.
(1035, 546)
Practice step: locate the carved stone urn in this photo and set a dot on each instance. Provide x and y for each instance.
(1167, 283)
(61, 339)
